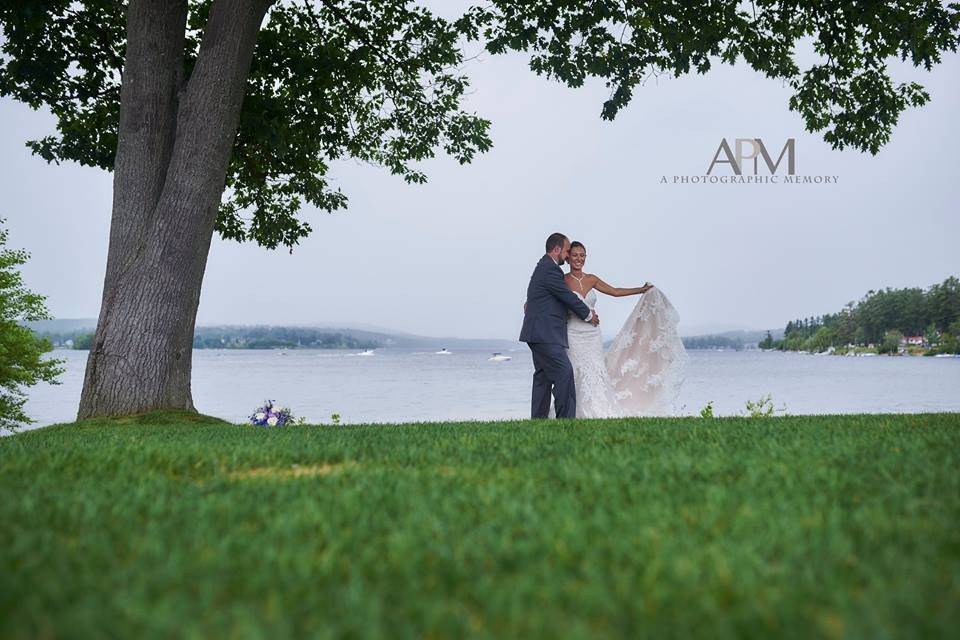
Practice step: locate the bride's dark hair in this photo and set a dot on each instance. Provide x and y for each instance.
(577, 243)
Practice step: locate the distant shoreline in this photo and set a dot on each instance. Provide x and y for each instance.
(864, 355)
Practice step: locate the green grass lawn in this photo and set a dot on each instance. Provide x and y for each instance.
(162, 525)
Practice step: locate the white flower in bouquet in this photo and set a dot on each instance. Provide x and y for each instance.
(272, 421)
(260, 415)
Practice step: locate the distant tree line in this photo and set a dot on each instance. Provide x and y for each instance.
(76, 339)
(713, 342)
(258, 337)
(263, 337)
(880, 319)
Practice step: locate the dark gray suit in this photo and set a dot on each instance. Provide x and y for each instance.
(545, 332)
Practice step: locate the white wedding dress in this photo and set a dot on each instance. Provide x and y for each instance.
(642, 371)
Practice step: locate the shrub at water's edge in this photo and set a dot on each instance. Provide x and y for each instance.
(21, 361)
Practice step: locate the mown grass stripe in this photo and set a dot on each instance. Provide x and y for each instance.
(164, 524)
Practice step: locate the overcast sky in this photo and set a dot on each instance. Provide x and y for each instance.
(452, 257)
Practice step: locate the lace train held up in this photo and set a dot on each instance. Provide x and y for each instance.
(641, 373)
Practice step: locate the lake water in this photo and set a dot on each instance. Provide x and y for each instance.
(401, 385)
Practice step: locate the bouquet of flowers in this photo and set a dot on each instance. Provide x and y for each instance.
(272, 415)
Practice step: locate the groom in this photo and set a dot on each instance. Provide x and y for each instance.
(545, 331)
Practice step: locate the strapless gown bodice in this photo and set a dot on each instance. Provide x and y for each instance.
(578, 325)
(595, 395)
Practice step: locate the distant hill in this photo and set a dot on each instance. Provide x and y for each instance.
(364, 335)
(63, 325)
(738, 339)
(60, 331)
(348, 337)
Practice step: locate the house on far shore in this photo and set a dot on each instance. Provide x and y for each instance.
(917, 341)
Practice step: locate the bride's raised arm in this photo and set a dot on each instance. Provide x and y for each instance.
(619, 292)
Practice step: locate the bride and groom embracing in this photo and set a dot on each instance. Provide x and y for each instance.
(642, 370)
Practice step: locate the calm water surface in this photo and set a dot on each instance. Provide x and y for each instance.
(401, 385)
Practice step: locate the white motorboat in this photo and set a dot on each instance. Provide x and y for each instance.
(368, 352)
(443, 352)
(498, 357)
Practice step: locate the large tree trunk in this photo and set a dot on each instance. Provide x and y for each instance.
(174, 146)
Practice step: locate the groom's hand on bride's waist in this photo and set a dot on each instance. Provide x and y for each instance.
(594, 319)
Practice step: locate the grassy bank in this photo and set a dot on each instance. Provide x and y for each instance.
(792, 526)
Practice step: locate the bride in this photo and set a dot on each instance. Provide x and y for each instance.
(643, 369)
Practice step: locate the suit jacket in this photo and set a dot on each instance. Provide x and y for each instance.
(548, 299)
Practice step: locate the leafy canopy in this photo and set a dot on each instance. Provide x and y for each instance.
(380, 80)
(849, 94)
(374, 81)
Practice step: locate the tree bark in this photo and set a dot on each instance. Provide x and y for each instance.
(173, 150)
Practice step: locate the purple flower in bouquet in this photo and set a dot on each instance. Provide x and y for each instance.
(271, 415)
